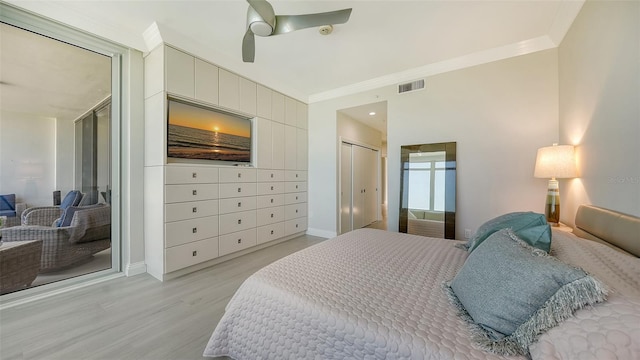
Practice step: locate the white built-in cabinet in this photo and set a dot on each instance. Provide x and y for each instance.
(201, 213)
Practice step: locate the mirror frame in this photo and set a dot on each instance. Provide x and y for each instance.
(450, 184)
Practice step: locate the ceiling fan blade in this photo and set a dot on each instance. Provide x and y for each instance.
(264, 9)
(248, 47)
(288, 23)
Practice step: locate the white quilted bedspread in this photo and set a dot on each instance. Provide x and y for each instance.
(372, 294)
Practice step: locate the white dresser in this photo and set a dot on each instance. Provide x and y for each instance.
(199, 213)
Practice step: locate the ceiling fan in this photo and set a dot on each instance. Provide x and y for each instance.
(262, 21)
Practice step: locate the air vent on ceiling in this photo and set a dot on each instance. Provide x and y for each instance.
(411, 86)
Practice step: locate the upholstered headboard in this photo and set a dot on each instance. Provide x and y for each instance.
(609, 227)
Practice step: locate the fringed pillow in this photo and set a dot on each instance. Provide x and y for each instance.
(529, 226)
(510, 293)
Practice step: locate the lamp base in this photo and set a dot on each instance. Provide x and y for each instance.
(552, 206)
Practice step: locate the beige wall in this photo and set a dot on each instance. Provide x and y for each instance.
(599, 68)
(498, 113)
(353, 130)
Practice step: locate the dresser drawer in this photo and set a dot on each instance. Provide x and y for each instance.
(190, 175)
(270, 232)
(237, 204)
(295, 186)
(181, 232)
(294, 211)
(182, 256)
(190, 210)
(295, 198)
(264, 201)
(270, 175)
(237, 190)
(295, 226)
(192, 192)
(270, 215)
(237, 241)
(230, 223)
(295, 175)
(271, 188)
(230, 175)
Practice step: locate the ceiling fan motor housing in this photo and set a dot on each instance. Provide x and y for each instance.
(259, 25)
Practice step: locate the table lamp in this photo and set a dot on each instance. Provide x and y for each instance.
(557, 161)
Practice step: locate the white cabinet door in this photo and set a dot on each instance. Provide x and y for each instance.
(263, 102)
(206, 82)
(264, 146)
(237, 241)
(290, 147)
(302, 150)
(190, 210)
(180, 70)
(247, 96)
(270, 175)
(234, 222)
(185, 231)
(277, 107)
(270, 232)
(181, 256)
(229, 90)
(237, 174)
(190, 175)
(303, 115)
(278, 145)
(290, 111)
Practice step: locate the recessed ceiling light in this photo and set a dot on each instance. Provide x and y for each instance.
(372, 113)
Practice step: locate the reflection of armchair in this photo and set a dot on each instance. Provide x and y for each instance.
(41, 215)
(11, 209)
(89, 232)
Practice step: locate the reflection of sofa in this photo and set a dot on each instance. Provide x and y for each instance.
(426, 223)
(11, 209)
(19, 264)
(88, 231)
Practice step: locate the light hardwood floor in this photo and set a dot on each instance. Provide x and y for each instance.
(133, 318)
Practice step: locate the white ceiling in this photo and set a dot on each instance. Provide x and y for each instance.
(383, 43)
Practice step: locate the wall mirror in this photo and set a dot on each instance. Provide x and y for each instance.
(428, 190)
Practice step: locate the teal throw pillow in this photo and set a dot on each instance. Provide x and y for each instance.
(518, 222)
(511, 292)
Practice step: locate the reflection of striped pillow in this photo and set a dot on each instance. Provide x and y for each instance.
(72, 198)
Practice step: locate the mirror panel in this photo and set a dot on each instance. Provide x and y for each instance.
(428, 190)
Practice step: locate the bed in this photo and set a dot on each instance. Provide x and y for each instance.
(372, 294)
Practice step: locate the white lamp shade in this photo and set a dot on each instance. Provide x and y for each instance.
(557, 161)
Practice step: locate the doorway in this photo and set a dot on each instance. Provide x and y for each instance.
(49, 150)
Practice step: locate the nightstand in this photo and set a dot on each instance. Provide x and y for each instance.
(562, 227)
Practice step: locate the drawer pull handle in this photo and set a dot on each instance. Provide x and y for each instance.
(296, 226)
(194, 253)
(272, 201)
(239, 221)
(296, 211)
(271, 232)
(239, 241)
(296, 186)
(195, 209)
(194, 230)
(296, 198)
(272, 188)
(239, 175)
(271, 215)
(194, 175)
(194, 192)
(272, 176)
(239, 189)
(239, 203)
(296, 175)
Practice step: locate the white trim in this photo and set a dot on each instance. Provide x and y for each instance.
(481, 57)
(135, 269)
(567, 12)
(35, 294)
(152, 36)
(321, 233)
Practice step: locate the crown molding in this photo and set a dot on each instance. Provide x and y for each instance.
(567, 12)
(482, 57)
(152, 36)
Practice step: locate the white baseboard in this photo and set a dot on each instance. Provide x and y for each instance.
(136, 269)
(321, 233)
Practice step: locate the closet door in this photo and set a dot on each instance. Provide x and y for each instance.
(371, 187)
(360, 180)
(345, 188)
